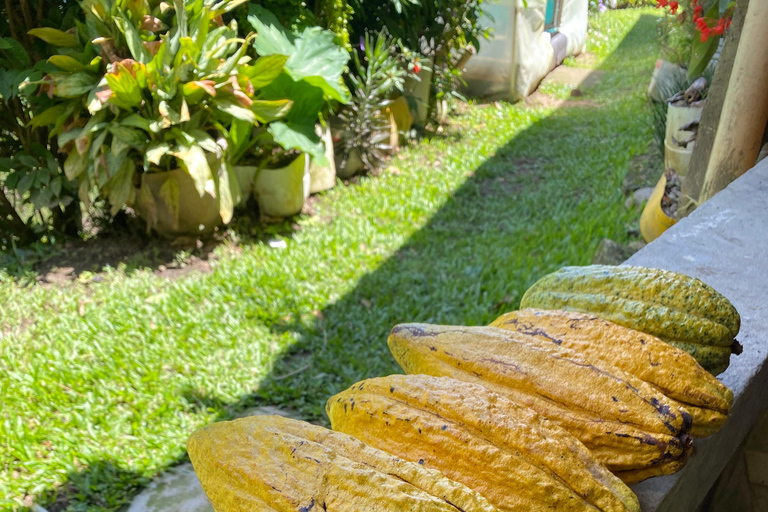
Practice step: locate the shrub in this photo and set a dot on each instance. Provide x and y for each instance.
(36, 199)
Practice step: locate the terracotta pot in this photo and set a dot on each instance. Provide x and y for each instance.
(281, 192)
(194, 215)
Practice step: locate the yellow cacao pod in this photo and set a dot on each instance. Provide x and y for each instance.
(507, 452)
(674, 372)
(271, 463)
(626, 423)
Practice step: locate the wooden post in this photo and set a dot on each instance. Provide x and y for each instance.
(745, 109)
(693, 181)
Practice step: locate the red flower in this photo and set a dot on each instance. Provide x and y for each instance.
(662, 3)
(673, 6)
(697, 9)
(416, 68)
(705, 34)
(701, 24)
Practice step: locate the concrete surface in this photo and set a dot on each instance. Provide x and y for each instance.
(725, 244)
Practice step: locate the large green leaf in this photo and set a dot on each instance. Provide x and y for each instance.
(75, 165)
(268, 111)
(271, 37)
(319, 61)
(265, 70)
(121, 186)
(313, 56)
(301, 137)
(307, 100)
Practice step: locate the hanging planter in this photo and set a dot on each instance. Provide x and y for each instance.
(172, 206)
(281, 192)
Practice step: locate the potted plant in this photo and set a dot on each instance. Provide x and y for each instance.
(150, 104)
(274, 159)
(369, 126)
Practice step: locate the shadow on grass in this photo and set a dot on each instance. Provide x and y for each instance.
(543, 200)
(103, 485)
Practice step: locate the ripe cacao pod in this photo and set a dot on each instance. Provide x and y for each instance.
(507, 452)
(626, 423)
(673, 371)
(681, 310)
(271, 463)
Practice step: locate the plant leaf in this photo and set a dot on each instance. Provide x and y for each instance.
(319, 61)
(54, 36)
(66, 63)
(194, 162)
(303, 138)
(702, 52)
(133, 40)
(75, 165)
(268, 111)
(157, 151)
(265, 70)
(14, 52)
(271, 37)
(121, 186)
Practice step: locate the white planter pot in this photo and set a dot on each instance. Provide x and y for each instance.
(281, 192)
(245, 175)
(323, 177)
(675, 156)
(680, 116)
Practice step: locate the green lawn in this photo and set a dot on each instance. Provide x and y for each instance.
(102, 383)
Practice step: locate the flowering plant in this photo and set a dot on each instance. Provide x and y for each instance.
(709, 18)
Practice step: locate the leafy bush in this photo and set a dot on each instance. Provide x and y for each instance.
(170, 87)
(372, 81)
(35, 197)
(440, 30)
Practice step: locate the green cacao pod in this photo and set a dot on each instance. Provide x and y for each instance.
(681, 310)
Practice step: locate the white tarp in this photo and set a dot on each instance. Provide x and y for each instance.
(512, 63)
(533, 52)
(573, 24)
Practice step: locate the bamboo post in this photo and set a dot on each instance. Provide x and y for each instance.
(745, 108)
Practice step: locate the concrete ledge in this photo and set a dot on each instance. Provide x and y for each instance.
(725, 244)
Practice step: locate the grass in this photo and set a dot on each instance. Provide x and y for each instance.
(101, 383)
